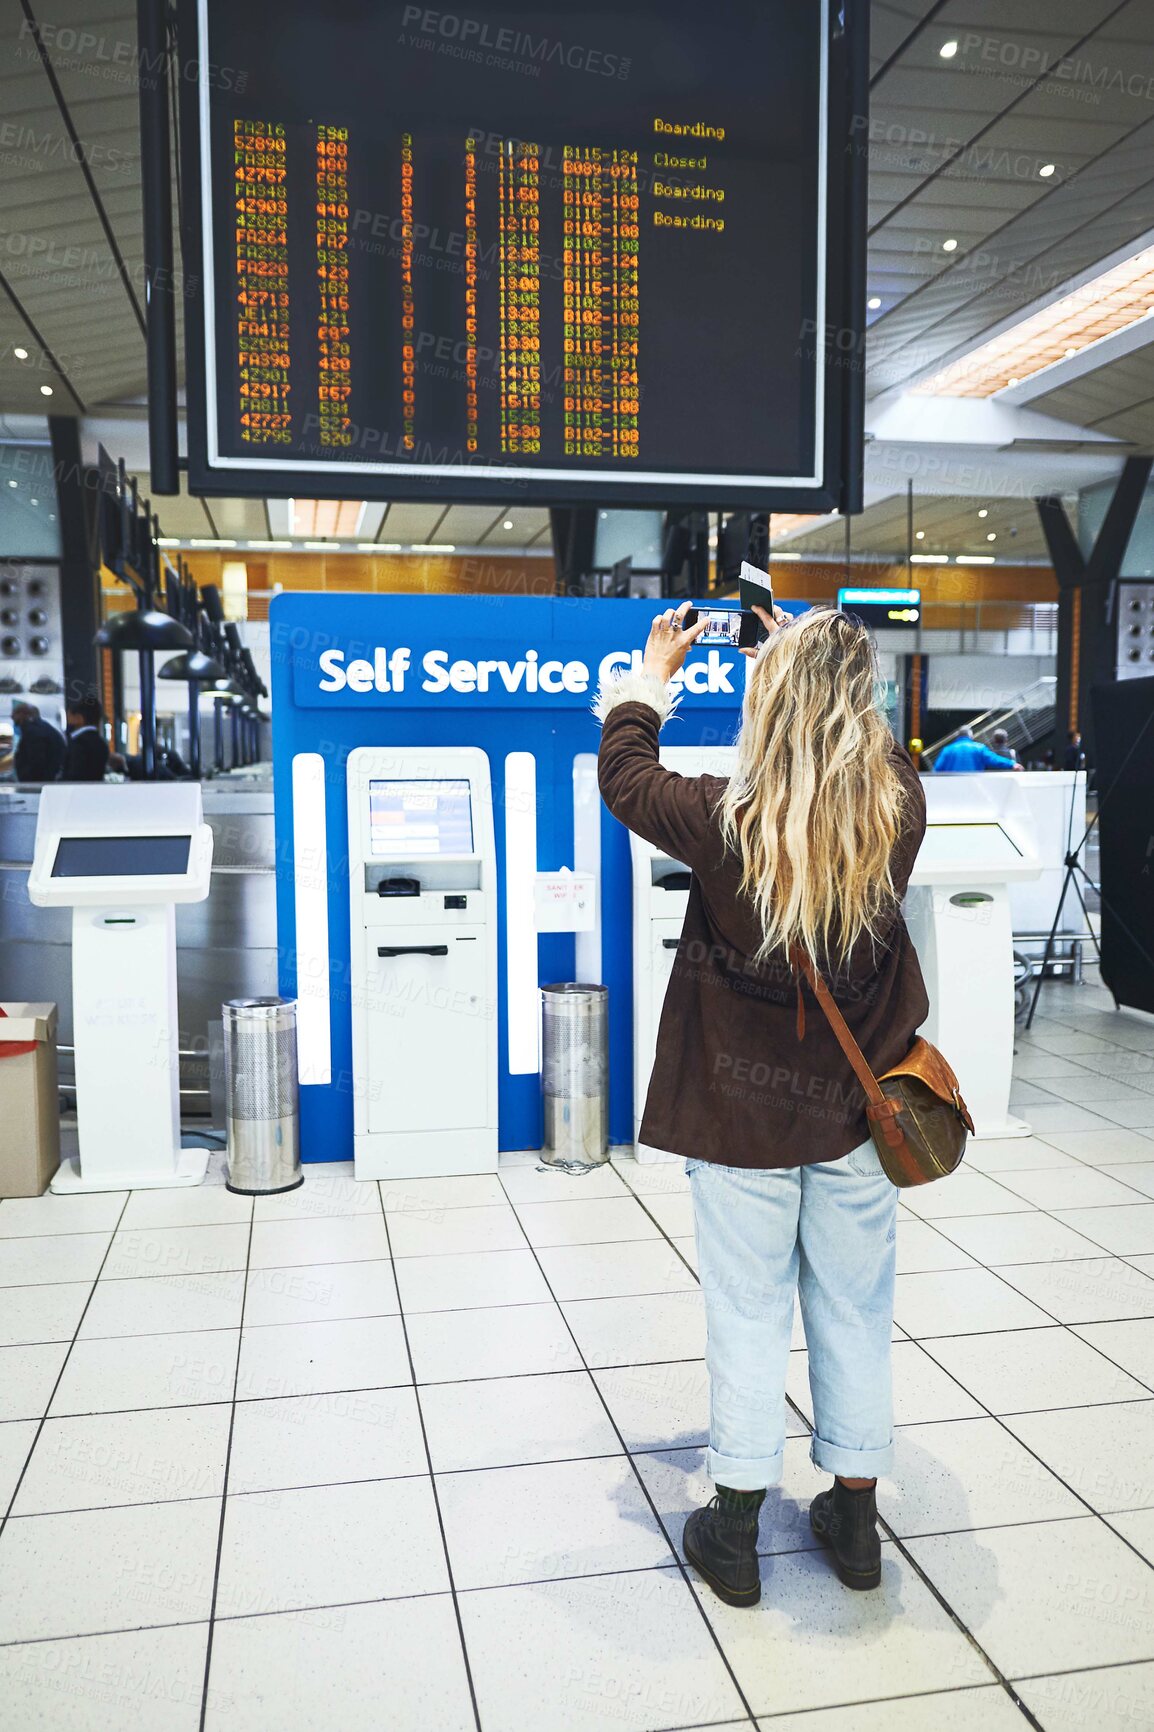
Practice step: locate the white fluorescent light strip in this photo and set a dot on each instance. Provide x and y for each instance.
(929, 559)
(1112, 301)
(524, 1019)
(977, 559)
(433, 547)
(311, 911)
(774, 555)
(210, 541)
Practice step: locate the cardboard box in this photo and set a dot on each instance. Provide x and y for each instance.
(29, 1104)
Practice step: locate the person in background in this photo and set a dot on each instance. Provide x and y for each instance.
(40, 748)
(966, 753)
(87, 756)
(1000, 741)
(1074, 757)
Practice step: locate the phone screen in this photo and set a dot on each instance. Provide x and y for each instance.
(727, 625)
(723, 625)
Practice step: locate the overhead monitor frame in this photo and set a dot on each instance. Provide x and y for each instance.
(832, 479)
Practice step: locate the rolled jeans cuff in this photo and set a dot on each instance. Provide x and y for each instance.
(850, 1463)
(743, 1473)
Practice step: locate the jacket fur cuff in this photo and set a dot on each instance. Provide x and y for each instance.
(636, 688)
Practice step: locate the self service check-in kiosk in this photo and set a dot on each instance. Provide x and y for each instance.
(423, 912)
(660, 898)
(978, 842)
(122, 858)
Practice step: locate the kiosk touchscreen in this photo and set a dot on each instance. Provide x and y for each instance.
(660, 898)
(122, 858)
(958, 913)
(423, 916)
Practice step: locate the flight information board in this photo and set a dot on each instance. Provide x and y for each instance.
(544, 252)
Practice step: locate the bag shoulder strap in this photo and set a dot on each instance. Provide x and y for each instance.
(853, 1052)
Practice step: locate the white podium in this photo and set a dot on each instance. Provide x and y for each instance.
(958, 913)
(122, 857)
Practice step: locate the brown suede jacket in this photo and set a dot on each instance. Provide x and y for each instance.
(732, 1082)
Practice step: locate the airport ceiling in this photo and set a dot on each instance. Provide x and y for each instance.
(957, 148)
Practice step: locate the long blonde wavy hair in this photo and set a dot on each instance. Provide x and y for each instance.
(815, 803)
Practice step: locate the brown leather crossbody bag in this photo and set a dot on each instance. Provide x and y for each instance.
(917, 1117)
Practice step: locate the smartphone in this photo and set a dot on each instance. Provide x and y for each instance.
(727, 625)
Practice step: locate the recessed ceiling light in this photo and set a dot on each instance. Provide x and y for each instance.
(983, 512)
(1012, 381)
(874, 303)
(992, 536)
(1046, 170)
(33, 502)
(950, 246)
(13, 484)
(948, 49)
(20, 354)
(1069, 352)
(508, 523)
(920, 535)
(46, 390)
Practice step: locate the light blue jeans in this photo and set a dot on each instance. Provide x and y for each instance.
(828, 1233)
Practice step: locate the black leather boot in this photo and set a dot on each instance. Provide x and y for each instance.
(846, 1522)
(720, 1542)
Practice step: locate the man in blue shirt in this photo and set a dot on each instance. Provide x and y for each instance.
(966, 753)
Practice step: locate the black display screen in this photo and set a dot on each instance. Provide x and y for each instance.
(121, 856)
(511, 251)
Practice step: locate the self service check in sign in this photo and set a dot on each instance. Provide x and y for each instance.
(451, 675)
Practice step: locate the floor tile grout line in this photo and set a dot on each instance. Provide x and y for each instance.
(957, 1620)
(224, 1497)
(465, 1660)
(639, 1453)
(880, 1701)
(43, 1419)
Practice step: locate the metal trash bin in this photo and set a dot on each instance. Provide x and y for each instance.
(262, 1117)
(575, 1073)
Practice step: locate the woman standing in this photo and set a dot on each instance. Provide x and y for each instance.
(809, 846)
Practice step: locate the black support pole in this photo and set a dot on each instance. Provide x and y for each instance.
(194, 728)
(147, 714)
(1087, 622)
(156, 200)
(79, 583)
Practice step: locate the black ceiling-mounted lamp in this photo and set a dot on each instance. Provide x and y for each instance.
(194, 666)
(144, 631)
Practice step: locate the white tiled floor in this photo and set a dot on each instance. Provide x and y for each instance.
(418, 1455)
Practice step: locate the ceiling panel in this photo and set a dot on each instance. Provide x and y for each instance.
(949, 525)
(466, 524)
(408, 523)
